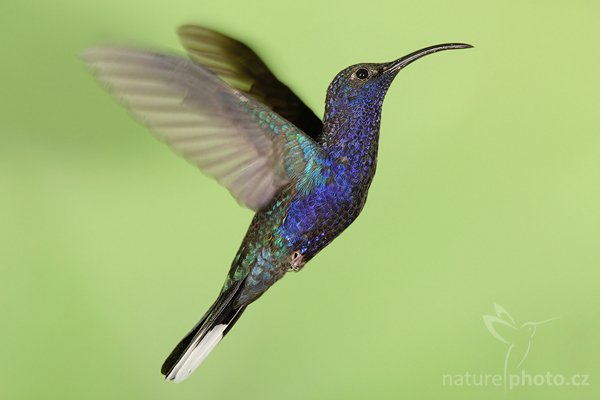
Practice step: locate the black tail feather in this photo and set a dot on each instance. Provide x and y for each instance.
(223, 311)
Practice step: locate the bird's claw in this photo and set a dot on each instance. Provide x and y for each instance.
(296, 262)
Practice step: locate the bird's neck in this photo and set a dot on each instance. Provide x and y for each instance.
(352, 137)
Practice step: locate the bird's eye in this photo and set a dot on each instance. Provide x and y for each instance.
(362, 73)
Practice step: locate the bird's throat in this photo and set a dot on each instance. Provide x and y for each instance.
(352, 141)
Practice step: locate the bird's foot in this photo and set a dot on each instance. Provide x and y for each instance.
(296, 262)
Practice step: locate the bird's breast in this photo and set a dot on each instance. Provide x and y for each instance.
(314, 219)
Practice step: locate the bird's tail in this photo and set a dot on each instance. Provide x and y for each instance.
(203, 337)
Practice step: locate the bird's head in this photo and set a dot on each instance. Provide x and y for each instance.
(363, 86)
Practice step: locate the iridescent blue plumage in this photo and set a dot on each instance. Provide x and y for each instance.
(323, 201)
(307, 180)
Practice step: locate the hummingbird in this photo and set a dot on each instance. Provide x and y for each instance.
(225, 111)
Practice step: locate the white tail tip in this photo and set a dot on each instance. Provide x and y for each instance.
(199, 349)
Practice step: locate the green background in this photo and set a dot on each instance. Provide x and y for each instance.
(487, 192)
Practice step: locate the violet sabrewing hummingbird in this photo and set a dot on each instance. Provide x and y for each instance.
(226, 112)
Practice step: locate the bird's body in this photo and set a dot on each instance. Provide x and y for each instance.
(307, 180)
(309, 212)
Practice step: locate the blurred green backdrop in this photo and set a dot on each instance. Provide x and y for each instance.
(487, 192)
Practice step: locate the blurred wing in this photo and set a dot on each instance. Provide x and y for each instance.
(243, 144)
(237, 64)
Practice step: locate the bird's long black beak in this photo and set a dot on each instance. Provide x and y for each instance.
(402, 62)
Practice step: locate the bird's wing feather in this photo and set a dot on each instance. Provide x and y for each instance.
(230, 136)
(241, 67)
